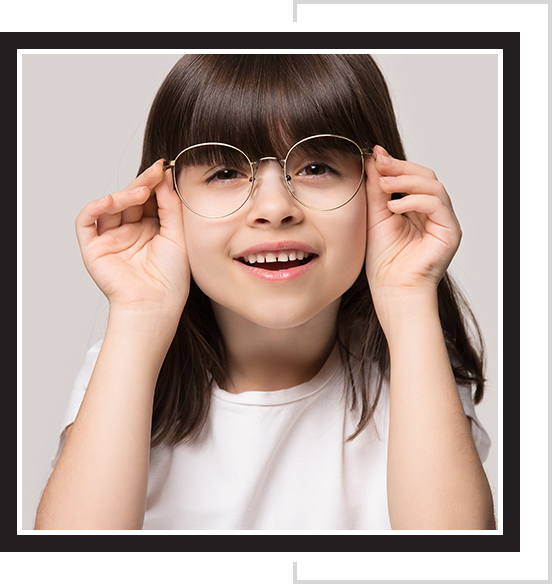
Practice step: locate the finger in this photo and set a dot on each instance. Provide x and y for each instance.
(389, 166)
(135, 213)
(439, 215)
(85, 223)
(125, 208)
(376, 197)
(150, 177)
(415, 184)
(169, 208)
(122, 201)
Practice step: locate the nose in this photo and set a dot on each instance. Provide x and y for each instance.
(270, 201)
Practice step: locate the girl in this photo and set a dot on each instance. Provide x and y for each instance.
(284, 348)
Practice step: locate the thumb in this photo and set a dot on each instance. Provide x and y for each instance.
(376, 198)
(169, 206)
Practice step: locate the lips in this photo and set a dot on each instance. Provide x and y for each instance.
(277, 260)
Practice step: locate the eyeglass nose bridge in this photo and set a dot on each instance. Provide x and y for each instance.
(286, 179)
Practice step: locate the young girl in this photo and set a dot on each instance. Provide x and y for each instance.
(284, 348)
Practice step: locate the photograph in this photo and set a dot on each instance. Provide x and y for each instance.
(261, 291)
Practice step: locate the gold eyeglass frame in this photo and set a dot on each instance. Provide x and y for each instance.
(255, 167)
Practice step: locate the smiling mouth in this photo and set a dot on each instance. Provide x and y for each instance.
(277, 261)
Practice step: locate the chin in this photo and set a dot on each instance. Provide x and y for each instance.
(280, 316)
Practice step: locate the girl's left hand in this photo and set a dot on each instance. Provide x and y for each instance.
(410, 241)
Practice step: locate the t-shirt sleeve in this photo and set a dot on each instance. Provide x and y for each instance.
(77, 395)
(480, 436)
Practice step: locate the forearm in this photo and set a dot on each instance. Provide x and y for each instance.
(100, 480)
(435, 477)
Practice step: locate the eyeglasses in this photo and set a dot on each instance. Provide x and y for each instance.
(322, 172)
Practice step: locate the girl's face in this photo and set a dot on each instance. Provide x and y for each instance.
(324, 250)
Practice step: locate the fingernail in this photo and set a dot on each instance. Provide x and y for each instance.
(152, 167)
(384, 157)
(136, 190)
(389, 179)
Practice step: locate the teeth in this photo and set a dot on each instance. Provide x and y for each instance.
(270, 257)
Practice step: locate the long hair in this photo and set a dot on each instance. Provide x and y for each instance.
(263, 104)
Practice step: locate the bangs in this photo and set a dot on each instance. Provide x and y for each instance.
(264, 104)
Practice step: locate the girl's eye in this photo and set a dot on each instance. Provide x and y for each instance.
(225, 174)
(318, 169)
(315, 169)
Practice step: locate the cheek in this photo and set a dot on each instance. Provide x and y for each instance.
(192, 236)
(348, 233)
(205, 245)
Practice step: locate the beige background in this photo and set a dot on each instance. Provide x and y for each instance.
(83, 120)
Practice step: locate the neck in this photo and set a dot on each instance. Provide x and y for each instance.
(267, 359)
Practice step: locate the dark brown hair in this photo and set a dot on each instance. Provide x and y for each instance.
(263, 104)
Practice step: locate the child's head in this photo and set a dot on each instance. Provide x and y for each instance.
(263, 105)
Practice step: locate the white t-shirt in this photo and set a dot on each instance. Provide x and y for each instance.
(274, 460)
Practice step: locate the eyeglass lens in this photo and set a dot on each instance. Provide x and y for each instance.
(322, 173)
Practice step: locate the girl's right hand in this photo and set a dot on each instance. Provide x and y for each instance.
(132, 244)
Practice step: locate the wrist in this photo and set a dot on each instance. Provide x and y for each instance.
(145, 311)
(402, 310)
(155, 325)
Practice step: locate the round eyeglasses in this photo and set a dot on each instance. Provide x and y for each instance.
(322, 172)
